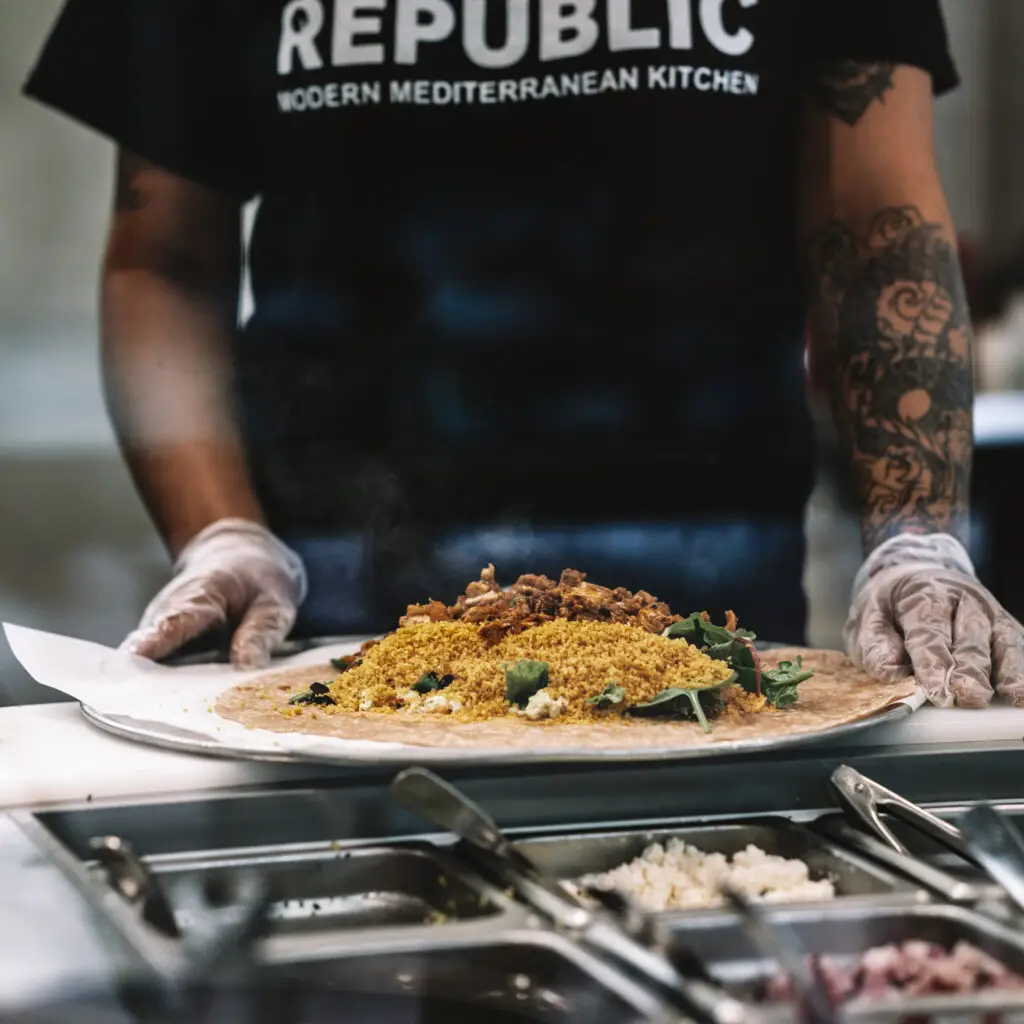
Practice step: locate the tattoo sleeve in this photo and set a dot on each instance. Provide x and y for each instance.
(889, 303)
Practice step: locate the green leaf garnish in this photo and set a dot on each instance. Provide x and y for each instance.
(611, 694)
(672, 703)
(780, 684)
(789, 672)
(523, 679)
(680, 702)
(690, 628)
(701, 633)
(741, 661)
(318, 693)
(723, 651)
(430, 681)
(663, 701)
(734, 648)
(341, 664)
(781, 696)
(716, 634)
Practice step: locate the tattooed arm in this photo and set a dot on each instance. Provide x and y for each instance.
(888, 308)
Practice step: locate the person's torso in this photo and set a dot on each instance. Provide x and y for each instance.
(515, 257)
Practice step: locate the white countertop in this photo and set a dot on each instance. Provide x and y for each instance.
(49, 754)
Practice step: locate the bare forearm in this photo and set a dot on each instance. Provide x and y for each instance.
(167, 378)
(890, 308)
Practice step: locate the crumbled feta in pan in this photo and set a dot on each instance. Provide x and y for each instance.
(676, 876)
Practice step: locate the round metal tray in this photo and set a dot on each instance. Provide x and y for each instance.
(157, 734)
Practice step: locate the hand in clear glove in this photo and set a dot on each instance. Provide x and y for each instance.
(919, 608)
(234, 572)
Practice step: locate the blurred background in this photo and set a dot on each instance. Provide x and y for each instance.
(77, 552)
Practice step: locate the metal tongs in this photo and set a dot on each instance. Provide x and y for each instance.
(186, 965)
(987, 839)
(129, 876)
(612, 927)
(997, 846)
(862, 798)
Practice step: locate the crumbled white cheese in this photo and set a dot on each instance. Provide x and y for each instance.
(541, 705)
(676, 876)
(366, 705)
(410, 697)
(436, 704)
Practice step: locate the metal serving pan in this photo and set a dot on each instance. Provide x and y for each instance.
(524, 975)
(570, 856)
(170, 737)
(413, 885)
(849, 930)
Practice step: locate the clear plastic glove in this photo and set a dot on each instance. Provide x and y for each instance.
(233, 572)
(918, 608)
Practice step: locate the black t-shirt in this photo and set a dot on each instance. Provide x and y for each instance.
(514, 258)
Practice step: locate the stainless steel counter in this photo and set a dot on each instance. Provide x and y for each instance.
(47, 939)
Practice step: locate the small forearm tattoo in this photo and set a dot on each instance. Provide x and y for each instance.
(128, 196)
(129, 193)
(846, 88)
(891, 304)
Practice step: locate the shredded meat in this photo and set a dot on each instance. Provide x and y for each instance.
(534, 599)
(914, 968)
(432, 611)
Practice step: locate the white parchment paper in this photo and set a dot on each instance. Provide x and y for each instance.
(117, 683)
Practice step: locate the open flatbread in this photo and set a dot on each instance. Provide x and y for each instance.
(837, 694)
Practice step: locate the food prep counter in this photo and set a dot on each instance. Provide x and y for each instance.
(369, 899)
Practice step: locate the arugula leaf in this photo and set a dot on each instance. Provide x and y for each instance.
(430, 681)
(780, 684)
(677, 702)
(523, 679)
(686, 629)
(781, 696)
(672, 703)
(734, 648)
(789, 672)
(717, 634)
(720, 652)
(702, 633)
(341, 664)
(741, 661)
(611, 694)
(661, 702)
(318, 693)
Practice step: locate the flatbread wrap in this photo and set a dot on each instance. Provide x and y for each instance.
(545, 665)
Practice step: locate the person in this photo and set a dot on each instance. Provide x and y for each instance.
(529, 282)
